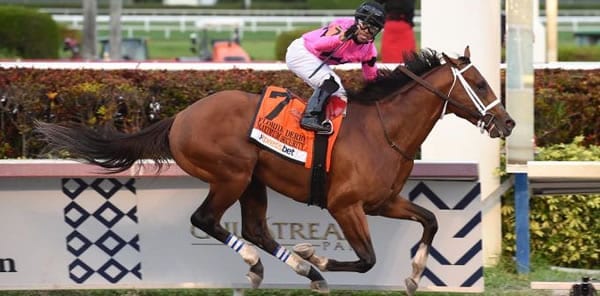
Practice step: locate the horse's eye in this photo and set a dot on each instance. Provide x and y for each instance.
(481, 86)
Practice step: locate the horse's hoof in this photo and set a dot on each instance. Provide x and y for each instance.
(304, 250)
(194, 232)
(411, 286)
(256, 274)
(320, 286)
(255, 279)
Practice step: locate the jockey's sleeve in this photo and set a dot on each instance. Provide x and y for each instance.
(327, 38)
(326, 43)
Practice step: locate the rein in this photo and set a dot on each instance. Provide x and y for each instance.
(482, 123)
(436, 91)
(457, 75)
(387, 136)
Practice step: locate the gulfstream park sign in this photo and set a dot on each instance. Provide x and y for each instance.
(134, 232)
(7, 265)
(324, 236)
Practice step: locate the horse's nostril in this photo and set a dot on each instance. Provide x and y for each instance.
(510, 123)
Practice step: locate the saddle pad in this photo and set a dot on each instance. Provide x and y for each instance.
(277, 127)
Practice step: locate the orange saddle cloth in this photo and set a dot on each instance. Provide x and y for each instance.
(277, 126)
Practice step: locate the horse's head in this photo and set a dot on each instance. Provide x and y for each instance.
(472, 98)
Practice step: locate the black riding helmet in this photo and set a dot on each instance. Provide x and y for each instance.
(372, 14)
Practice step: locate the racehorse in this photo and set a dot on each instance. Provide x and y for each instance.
(387, 120)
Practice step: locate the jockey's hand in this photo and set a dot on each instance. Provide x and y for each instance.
(350, 32)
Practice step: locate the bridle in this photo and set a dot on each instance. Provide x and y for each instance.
(482, 108)
(484, 119)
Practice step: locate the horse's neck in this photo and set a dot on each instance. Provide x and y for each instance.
(411, 115)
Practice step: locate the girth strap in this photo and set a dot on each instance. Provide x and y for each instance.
(318, 177)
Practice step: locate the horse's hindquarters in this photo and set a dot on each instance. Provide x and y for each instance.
(209, 139)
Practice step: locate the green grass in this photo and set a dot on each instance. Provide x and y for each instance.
(259, 45)
(499, 280)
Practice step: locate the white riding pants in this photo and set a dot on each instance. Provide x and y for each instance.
(303, 63)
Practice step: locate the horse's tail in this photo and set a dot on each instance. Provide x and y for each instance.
(108, 148)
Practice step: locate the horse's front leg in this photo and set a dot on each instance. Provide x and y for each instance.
(353, 222)
(401, 208)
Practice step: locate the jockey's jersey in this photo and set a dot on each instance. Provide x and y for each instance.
(322, 42)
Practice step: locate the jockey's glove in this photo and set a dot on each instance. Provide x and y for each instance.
(350, 32)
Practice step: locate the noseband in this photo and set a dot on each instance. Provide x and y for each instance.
(484, 119)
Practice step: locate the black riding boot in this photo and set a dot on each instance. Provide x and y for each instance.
(313, 115)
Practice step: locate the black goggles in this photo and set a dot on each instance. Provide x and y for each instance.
(373, 29)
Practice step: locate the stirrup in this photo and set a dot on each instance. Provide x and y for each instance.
(328, 124)
(311, 123)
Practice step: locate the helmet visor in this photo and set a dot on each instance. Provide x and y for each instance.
(373, 29)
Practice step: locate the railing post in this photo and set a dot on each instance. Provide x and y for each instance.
(522, 221)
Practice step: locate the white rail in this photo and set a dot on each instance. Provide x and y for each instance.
(207, 66)
(185, 23)
(564, 177)
(557, 286)
(220, 12)
(273, 12)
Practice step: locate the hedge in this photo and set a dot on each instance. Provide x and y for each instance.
(567, 105)
(28, 34)
(567, 102)
(564, 229)
(93, 96)
(284, 40)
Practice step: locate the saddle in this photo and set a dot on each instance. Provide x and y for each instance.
(277, 128)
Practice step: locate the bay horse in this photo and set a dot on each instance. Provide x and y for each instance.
(387, 121)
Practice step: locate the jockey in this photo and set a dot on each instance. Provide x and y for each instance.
(344, 40)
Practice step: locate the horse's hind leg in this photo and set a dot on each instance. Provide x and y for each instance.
(401, 208)
(254, 228)
(208, 216)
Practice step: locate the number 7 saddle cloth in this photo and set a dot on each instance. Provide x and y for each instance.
(277, 125)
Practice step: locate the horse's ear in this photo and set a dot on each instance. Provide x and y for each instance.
(467, 53)
(448, 59)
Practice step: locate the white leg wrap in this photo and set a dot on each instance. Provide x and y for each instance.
(282, 254)
(247, 252)
(307, 252)
(419, 262)
(294, 261)
(319, 261)
(299, 265)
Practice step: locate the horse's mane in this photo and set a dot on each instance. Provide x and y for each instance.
(388, 81)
